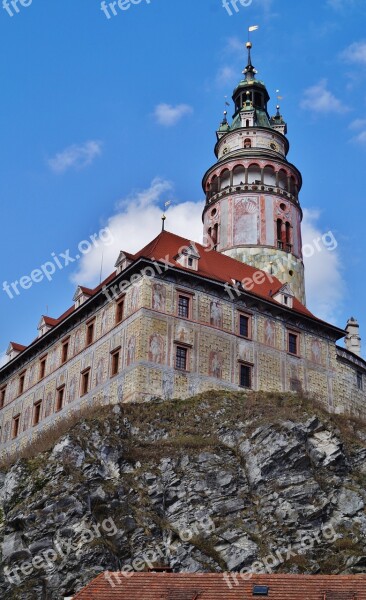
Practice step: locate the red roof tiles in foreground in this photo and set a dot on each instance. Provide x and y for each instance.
(220, 586)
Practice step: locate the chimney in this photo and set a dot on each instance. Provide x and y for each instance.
(352, 339)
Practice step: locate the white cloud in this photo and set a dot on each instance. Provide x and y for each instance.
(168, 115)
(136, 223)
(358, 124)
(321, 100)
(77, 156)
(226, 75)
(355, 53)
(325, 288)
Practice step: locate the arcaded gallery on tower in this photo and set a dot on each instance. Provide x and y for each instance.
(229, 314)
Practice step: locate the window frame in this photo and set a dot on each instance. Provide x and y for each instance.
(359, 381)
(2, 396)
(15, 427)
(60, 398)
(185, 349)
(42, 367)
(21, 383)
(120, 302)
(296, 335)
(37, 412)
(249, 366)
(90, 326)
(115, 368)
(65, 344)
(250, 319)
(188, 298)
(84, 390)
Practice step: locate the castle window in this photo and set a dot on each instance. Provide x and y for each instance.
(2, 396)
(279, 234)
(90, 332)
(245, 326)
(37, 412)
(60, 398)
(65, 351)
(21, 383)
(85, 381)
(119, 310)
(115, 358)
(245, 376)
(359, 381)
(15, 429)
(42, 367)
(293, 343)
(184, 306)
(181, 358)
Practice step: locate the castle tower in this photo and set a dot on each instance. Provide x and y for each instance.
(252, 210)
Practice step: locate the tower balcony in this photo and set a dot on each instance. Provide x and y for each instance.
(257, 187)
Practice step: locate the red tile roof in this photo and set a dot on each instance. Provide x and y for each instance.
(212, 265)
(214, 586)
(17, 347)
(215, 265)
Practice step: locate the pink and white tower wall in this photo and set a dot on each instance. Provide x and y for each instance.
(252, 211)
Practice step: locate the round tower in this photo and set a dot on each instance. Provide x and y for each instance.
(252, 210)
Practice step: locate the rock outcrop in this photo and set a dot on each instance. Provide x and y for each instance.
(220, 482)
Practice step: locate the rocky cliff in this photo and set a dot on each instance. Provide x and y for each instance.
(223, 482)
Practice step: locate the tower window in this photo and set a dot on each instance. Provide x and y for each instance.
(181, 357)
(279, 234)
(245, 376)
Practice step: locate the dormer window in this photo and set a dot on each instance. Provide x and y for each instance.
(123, 261)
(285, 296)
(189, 257)
(81, 295)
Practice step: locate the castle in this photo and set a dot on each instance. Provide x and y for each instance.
(179, 318)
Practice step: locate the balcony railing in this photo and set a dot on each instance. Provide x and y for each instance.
(213, 196)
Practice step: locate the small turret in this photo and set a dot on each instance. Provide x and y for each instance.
(352, 339)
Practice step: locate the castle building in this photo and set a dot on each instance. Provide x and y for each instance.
(179, 318)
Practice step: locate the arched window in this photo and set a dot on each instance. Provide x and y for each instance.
(254, 174)
(239, 175)
(279, 234)
(247, 123)
(293, 189)
(288, 237)
(269, 176)
(247, 141)
(282, 180)
(215, 234)
(214, 185)
(225, 179)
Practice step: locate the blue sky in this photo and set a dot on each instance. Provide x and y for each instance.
(102, 120)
